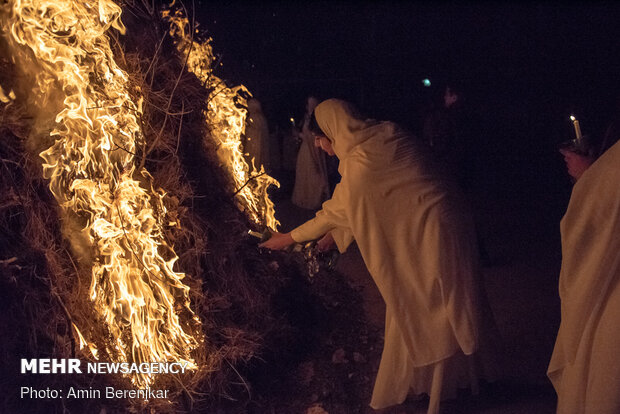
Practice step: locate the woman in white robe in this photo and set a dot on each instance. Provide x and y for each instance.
(256, 136)
(311, 182)
(417, 240)
(585, 365)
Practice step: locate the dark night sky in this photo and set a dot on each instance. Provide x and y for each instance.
(526, 66)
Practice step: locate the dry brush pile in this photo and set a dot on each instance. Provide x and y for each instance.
(239, 294)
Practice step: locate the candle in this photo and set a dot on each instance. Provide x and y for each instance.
(576, 125)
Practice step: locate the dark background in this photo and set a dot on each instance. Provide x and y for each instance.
(525, 68)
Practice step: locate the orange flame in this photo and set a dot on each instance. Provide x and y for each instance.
(63, 46)
(226, 121)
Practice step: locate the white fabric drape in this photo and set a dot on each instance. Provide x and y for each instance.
(585, 365)
(416, 238)
(311, 184)
(257, 135)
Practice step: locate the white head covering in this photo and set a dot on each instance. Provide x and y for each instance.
(379, 143)
(340, 122)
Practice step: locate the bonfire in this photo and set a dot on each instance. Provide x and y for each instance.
(118, 231)
(126, 205)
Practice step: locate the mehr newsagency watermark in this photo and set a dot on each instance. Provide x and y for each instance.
(75, 366)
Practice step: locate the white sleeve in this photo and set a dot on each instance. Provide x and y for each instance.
(343, 238)
(332, 217)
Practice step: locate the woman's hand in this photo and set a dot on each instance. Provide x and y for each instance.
(576, 164)
(326, 242)
(278, 241)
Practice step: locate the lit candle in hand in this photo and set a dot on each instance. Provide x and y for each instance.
(576, 125)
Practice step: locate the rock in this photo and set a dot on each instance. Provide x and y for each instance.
(305, 372)
(273, 266)
(339, 357)
(316, 409)
(357, 357)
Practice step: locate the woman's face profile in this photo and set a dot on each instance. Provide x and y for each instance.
(321, 141)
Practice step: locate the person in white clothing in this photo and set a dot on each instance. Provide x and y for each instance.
(584, 367)
(311, 181)
(256, 136)
(417, 239)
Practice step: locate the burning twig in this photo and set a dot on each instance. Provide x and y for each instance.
(248, 181)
